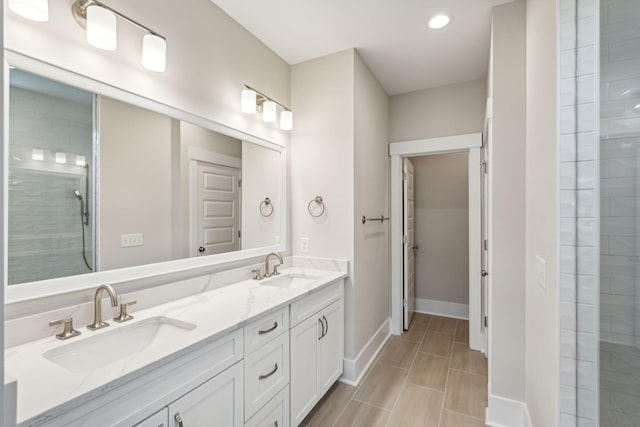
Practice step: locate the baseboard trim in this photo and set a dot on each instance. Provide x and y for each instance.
(502, 412)
(355, 369)
(442, 308)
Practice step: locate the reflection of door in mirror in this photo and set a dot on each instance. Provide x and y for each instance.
(51, 197)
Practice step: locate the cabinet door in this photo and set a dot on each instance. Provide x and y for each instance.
(159, 419)
(218, 401)
(304, 368)
(331, 346)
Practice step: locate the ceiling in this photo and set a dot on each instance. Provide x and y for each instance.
(391, 36)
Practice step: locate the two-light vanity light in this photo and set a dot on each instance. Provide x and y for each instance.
(100, 22)
(251, 100)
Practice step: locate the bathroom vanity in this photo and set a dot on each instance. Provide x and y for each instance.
(251, 353)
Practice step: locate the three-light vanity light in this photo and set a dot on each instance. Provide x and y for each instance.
(100, 22)
(252, 100)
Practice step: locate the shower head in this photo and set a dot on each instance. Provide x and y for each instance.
(77, 194)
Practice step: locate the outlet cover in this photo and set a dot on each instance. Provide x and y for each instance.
(541, 271)
(129, 240)
(304, 245)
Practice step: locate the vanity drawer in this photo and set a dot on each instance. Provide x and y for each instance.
(263, 330)
(274, 413)
(305, 308)
(266, 372)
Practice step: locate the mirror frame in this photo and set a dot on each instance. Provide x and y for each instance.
(50, 287)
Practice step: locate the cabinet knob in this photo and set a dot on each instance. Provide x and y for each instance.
(201, 249)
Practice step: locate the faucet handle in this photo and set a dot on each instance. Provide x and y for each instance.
(275, 271)
(257, 274)
(68, 331)
(124, 316)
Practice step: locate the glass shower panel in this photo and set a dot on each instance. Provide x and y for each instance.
(51, 151)
(620, 219)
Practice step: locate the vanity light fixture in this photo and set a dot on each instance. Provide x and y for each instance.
(100, 22)
(252, 101)
(35, 10)
(439, 21)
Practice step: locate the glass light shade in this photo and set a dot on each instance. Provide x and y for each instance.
(269, 111)
(286, 120)
(154, 53)
(35, 10)
(248, 101)
(101, 28)
(438, 22)
(37, 154)
(61, 157)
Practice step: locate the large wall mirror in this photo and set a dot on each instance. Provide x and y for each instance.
(98, 184)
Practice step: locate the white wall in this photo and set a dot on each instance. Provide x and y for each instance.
(135, 184)
(261, 177)
(442, 227)
(507, 198)
(372, 196)
(541, 210)
(443, 111)
(209, 58)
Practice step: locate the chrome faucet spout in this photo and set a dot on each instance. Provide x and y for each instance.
(98, 323)
(275, 271)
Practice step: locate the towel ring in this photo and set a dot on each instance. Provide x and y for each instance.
(266, 207)
(318, 201)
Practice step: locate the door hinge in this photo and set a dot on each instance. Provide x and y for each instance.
(486, 245)
(485, 166)
(405, 303)
(404, 176)
(486, 322)
(240, 183)
(239, 233)
(404, 238)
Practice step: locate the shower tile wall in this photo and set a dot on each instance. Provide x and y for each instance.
(45, 239)
(578, 172)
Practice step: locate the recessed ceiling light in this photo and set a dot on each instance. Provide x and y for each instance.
(439, 21)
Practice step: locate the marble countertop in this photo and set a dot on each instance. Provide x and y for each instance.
(214, 313)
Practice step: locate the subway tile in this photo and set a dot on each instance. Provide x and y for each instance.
(568, 259)
(587, 346)
(587, 63)
(567, 400)
(568, 316)
(568, 343)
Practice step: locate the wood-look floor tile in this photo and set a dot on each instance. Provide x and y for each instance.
(417, 407)
(467, 360)
(415, 333)
(462, 331)
(455, 419)
(466, 393)
(437, 343)
(398, 352)
(421, 318)
(445, 325)
(326, 412)
(360, 414)
(382, 386)
(429, 371)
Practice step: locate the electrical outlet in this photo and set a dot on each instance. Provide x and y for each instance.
(129, 240)
(304, 245)
(541, 272)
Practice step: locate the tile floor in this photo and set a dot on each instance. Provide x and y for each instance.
(428, 377)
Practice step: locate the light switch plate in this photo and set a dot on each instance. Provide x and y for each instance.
(129, 240)
(304, 245)
(541, 271)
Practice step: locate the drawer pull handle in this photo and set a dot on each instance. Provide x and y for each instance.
(265, 376)
(179, 420)
(276, 423)
(322, 333)
(271, 329)
(326, 322)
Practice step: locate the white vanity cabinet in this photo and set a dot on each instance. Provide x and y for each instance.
(317, 348)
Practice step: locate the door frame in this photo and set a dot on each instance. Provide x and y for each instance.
(472, 144)
(196, 155)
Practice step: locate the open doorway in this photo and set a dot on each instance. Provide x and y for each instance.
(404, 300)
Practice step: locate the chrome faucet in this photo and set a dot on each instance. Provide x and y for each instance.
(98, 323)
(275, 271)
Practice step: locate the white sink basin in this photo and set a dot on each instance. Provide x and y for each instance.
(89, 353)
(291, 280)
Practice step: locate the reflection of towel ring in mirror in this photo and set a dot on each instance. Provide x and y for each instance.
(266, 207)
(318, 201)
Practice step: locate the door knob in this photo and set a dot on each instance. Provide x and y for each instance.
(201, 249)
(484, 273)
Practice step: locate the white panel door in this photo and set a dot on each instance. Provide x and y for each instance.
(304, 385)
(331, 346)
(218, 209)
(484, 287)
(217, 402)
(408, 219)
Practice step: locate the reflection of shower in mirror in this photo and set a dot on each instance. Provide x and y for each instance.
(84, 215)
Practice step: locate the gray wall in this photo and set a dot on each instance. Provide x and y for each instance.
(442, 227)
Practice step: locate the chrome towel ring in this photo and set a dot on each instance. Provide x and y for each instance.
(266, 207)
(319, 202)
